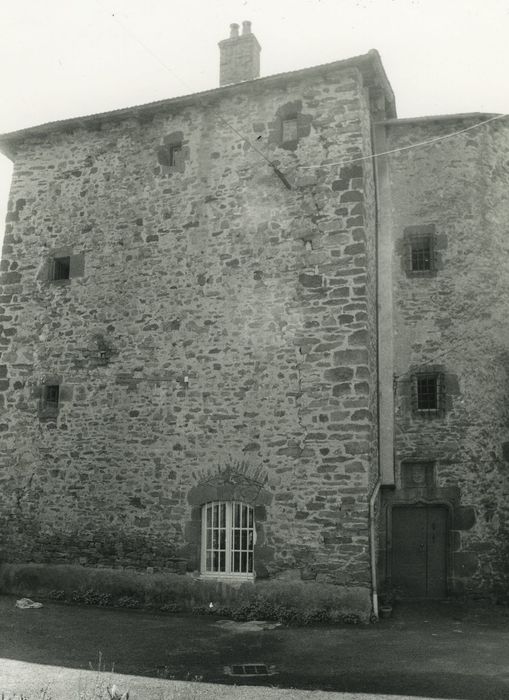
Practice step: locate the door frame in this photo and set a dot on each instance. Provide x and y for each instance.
(448, 536)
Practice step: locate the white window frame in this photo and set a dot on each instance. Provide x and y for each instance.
(227, 572)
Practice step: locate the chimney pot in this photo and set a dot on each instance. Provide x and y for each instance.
(234, 30)
(246, 27)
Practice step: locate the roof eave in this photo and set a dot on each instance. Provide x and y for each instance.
(371, 59)
(439, 118)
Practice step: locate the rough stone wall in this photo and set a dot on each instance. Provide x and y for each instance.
(455, 321)
(214, 319)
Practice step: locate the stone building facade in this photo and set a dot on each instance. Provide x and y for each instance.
(211, 338)
(450, 321)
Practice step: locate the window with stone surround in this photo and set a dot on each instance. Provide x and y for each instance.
(428, 393)
(289, 130)
(175, 154)
(61, 268)
(289, 127)
(49, 403)
(420, 250)
(421, 254)
(228, 538)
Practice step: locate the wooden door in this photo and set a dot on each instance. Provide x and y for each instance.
(419, 551)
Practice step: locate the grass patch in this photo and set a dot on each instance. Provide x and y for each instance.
(289, 602)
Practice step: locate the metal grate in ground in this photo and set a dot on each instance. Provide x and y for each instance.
(250, 670)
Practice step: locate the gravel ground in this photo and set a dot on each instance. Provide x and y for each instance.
(40, 682)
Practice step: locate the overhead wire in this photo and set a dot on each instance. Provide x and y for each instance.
(189, 87)
(280, 175)
(408, 147)
(453, 348)
(458, 341)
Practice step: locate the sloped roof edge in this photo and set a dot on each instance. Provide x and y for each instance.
(440, 118)
(367, 63)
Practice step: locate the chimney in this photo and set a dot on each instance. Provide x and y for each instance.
(239, 56)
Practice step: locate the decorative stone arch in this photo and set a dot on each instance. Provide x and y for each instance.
(230, 484)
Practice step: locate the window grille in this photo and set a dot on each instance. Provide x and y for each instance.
(420, 252)
(289, 130)
(250, 670)
(428, 393)
(61, 268)
(227, 539)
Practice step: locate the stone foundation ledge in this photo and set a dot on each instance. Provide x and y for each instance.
(176, 593)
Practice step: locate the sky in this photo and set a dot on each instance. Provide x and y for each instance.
(65, 58)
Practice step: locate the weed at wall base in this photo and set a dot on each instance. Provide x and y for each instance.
(288, 602)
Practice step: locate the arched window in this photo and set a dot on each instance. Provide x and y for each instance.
(228, 538)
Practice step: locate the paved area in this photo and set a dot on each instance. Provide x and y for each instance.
(441, 651)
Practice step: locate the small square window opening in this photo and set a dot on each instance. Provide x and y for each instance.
(421, 254)
(51, 396)
(289, 130)
(48, 405)
(175, 154)
(61, 268)
(427, 392)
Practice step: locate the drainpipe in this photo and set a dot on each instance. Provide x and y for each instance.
(380, 451)
(372, 545)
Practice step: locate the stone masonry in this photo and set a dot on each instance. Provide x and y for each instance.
(454, 321)
(209, 299)
(218, 328)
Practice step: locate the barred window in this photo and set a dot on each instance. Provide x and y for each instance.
(421, 254)
(61, 269)
(428, 393)
(228, 536)
(420, 249)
